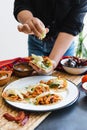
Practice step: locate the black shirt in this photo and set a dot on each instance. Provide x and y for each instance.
(58, 15)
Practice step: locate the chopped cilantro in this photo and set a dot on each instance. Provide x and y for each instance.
(53, 85)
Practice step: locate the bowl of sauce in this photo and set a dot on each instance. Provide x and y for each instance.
(22, 69)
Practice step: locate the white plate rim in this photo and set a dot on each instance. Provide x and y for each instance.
(65, 103)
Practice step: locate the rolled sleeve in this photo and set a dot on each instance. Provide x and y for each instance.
(73, 23)
(20, 5)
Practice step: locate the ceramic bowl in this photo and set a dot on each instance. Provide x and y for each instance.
(84, 87)
(5, 77)
(22, 69)
(72, 69)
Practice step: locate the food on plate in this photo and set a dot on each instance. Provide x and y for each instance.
(29, 92)
(39, 89)
(41, 93)
(41, 63)
(84, 78)
(35, 90)
(47, 99)
(57, 83)
(12, 95)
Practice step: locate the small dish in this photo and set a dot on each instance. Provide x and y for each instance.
(5, 77)
(22, 69)
(84, 87)
(69, 65)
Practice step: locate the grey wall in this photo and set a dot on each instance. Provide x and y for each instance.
(12, 43)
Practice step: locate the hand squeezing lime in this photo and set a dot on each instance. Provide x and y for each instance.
(43, 35)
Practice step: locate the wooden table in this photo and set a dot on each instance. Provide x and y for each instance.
(34, 118)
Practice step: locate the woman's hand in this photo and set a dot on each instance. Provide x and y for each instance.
(44, 72)
(34, 26)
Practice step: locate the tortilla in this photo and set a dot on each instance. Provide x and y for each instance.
(41, 63)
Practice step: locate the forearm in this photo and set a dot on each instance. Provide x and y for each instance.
(61, 45)
(24, 15)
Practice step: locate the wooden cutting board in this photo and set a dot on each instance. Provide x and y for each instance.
(34, 118)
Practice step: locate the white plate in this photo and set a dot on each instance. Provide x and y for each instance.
(69, 96)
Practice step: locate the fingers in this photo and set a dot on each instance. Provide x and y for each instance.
(35, 30)
(35, 67)
(54, 64)
(47, 30)
(38, 25)
(34, 26)
(39, 70)
(24, 28)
